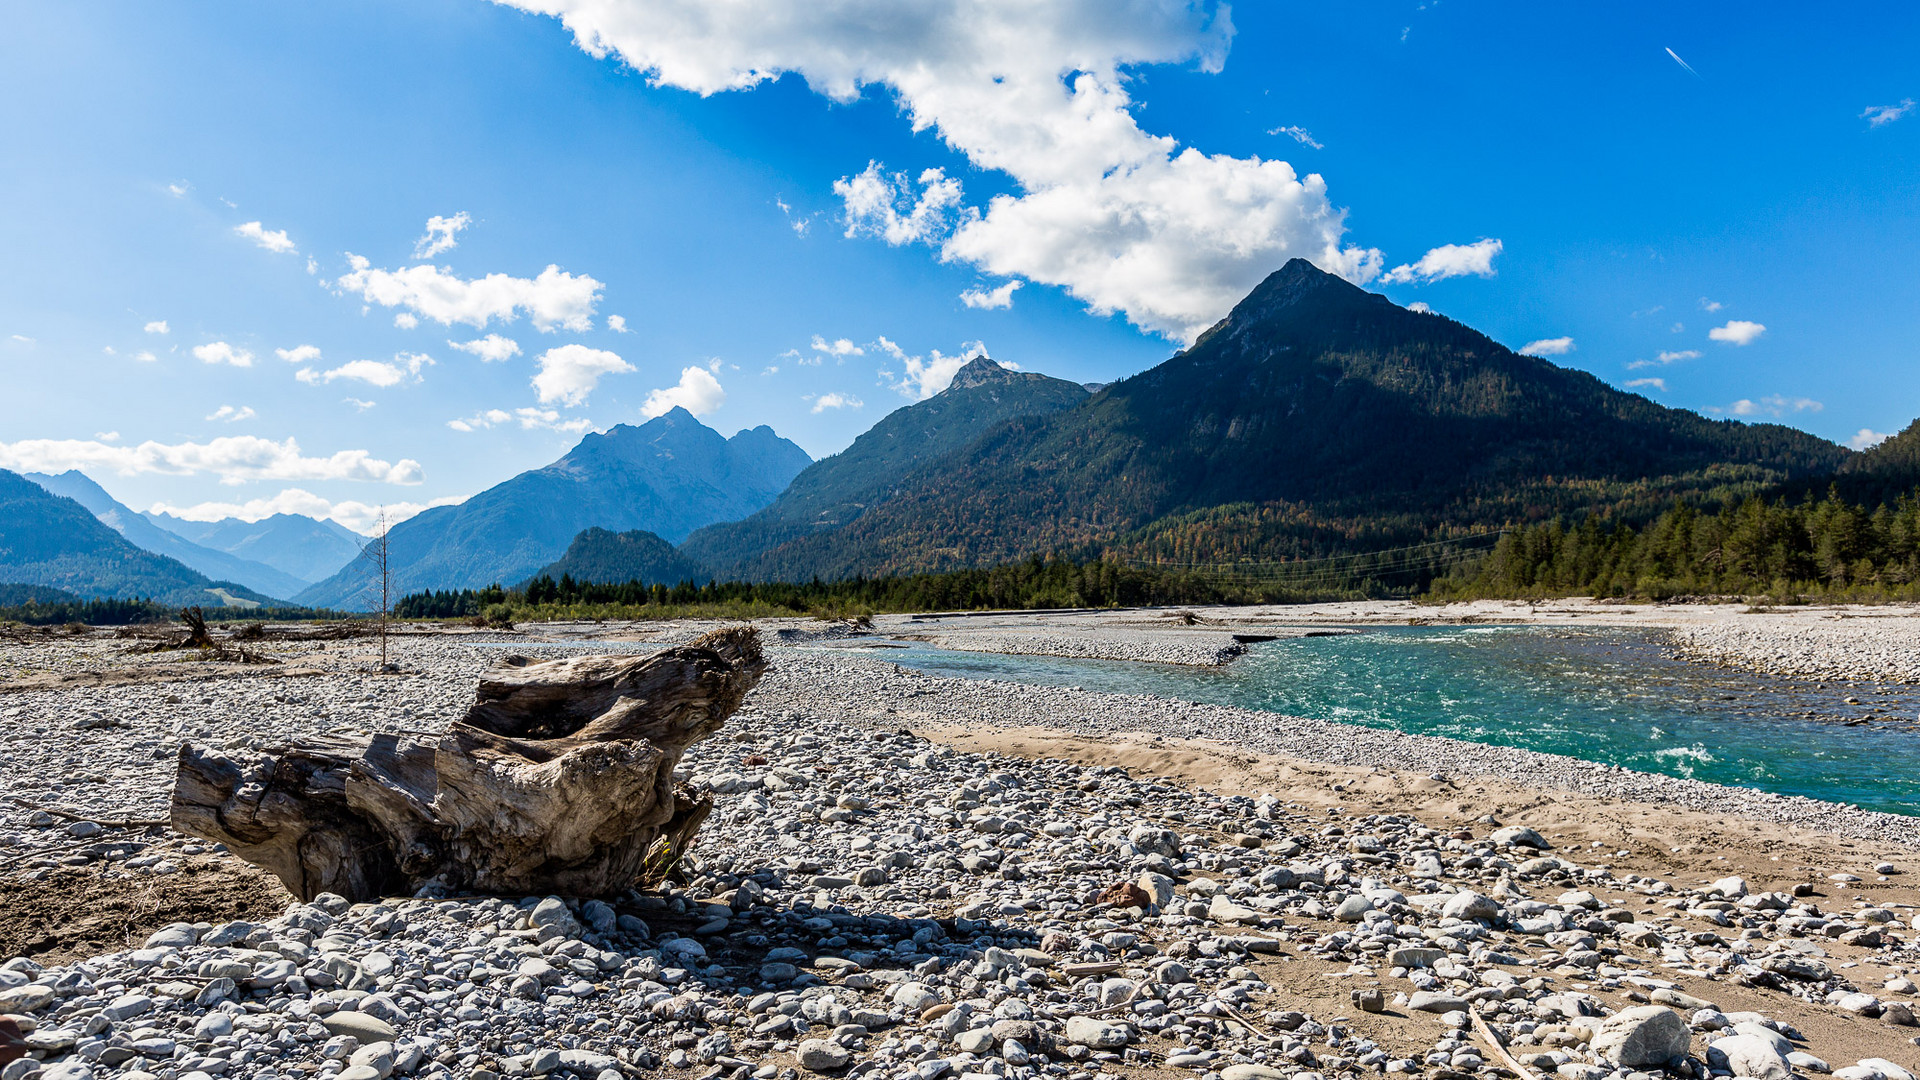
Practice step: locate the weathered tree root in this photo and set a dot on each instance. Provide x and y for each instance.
(559, 779)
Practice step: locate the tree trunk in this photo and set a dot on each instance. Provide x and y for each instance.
(558, 780)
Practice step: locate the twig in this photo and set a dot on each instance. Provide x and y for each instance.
(1486, 1033)
(129, 823)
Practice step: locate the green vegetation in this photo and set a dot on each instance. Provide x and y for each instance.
(89, 612)
(1825, 547)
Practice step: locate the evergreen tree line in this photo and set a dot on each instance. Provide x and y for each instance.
(90, 612)
(1821, 546)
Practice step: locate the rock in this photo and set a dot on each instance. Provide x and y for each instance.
(1733, 888)
(820, 1055)
(1800, 1059)
(1435, 1002)
(1370, 1000)
(368, 1029)
(1647, 1035)
(1158, 887)
(1416, 957)
(915, 997)
(1669, 996)
(25, 999)
(1520, 836)
(1353, 909)
(1748, 1055)
(1097, 1034)
(1222, 910)
(1765, 1034)
(1250, 1071)
(1470, 906)
(1126, 894)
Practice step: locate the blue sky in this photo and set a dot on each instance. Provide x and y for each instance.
(743, 182)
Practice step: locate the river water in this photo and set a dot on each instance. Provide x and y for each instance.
(1604, 695)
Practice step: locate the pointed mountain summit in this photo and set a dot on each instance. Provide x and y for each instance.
(667, 476)
(1315, 417)
(836, 490)
(310, 549)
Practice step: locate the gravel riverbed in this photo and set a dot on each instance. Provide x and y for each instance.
(866, 902)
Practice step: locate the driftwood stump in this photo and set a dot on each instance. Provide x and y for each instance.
(558, 780)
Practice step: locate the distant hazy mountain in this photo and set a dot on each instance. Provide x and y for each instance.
(51, 540)
(834, 491)
(668, 476)
(144, 534)
(1316, 417)
(12, 595)
(307, 548)
(604, 557)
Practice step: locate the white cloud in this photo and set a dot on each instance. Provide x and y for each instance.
(406, 320)
(1558, 346)
(1298, 134)
(570, 372)
(440, 235)
(359, 404)
(299, 354)
(179, 188)
(887, 207)
(229, 414)
(234, 459)
(274, 240)
(1665, 357)
(21, 338)
(1449, 260)
(1122, 219)
(490, 349)
(617, 323)
(1774, 405)
(698, 392)
(157, 326)
(145, 356)
(529, 418)
(989, 299)
(313, 265)
(1657, 384)
(923, 377)
(358, 516)
(1867, 438)
(1710, 306)
(1877, 115)
(834, 401)
(219, 352)
(1737, 332)
(838, 348)
(373, 372)
(1421, 306)
(554, 299)
(107, 436)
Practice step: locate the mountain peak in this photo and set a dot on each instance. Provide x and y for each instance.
(978, 371)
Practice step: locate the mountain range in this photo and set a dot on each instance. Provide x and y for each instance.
(833, 492)
(669, 476)
(54, 541)
(308, 549)
(1315, 418)
(599, 555)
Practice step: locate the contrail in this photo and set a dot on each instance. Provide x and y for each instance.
(1684, 64)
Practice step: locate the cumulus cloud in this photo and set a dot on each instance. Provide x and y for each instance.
(1708, 306)
(698, 392)
(1449, 260)
(230, 415)
(406, 320)
(1657, 384)
(234, 459)
(157, 326)
(1876, 115)
(490, 349)
(1558, 346)
(358, 516)
(571, 372)
(219, 352)
(379, 373)
(145, 356)
(837, 348)
(1298, 134)
(1737, 332)
(528, 418)
(989, 299)
(299, 354)
(617, 323)
(1867, 439)
(1122, 219)
(552, 300)
(834, 401)
(1773, 405)
(440, 234)
(921, 377)
(1665, 357)
(1421, 306)
(274, 240)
